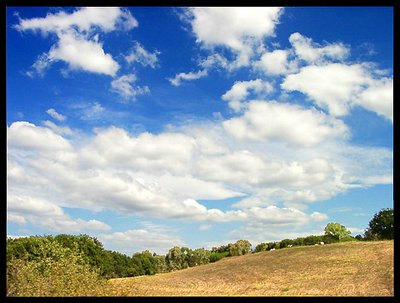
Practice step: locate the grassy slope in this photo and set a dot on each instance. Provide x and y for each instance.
(342, 269)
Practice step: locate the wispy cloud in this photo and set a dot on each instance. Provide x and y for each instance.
(53, 113)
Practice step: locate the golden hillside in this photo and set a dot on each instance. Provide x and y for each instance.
(342, 269)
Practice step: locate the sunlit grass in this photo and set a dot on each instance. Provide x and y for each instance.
(342, 269)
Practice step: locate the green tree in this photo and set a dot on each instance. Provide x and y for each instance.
(90, 248)
(261, 247)
(177, 258)
(160, 264)
(241, 247)
(381, 227)
(200, 256)
(337, 231)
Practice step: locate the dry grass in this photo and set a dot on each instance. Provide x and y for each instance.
(342, 269)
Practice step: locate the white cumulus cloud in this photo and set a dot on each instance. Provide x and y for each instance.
(240, 91)
(338, 87)
(76, 44)
(286, 122)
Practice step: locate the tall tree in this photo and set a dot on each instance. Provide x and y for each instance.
(381, 226)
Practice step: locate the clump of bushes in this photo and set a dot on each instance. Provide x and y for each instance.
(216, 256)
(53, 270)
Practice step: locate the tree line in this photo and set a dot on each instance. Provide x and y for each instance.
(37, 256)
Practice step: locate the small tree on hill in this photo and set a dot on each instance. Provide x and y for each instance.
(337, 231)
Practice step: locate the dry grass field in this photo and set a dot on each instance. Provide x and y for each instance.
(342, 269)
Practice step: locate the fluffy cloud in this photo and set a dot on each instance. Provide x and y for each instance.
(338, 87)
(83, 54)
(312, 52)
(123, 87)
(289, 123)
(23, 209)
(140, 55)
(240, 91)
(25, 135)
(241, 30)
(275, 63)
(378, 97)
(76, 45)
(84, 19)
(303, 51)
(237, 28)
(164, 175)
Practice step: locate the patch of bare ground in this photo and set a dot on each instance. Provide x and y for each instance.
(342, 269)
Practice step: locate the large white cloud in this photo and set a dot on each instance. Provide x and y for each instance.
(233, 27)
(25, 135)
(77, 45)
(338, 87)
(85, 18)
(289, 123)
(241, 30)
(23, 209)
(164, 175)
(378, 97)
(81, 53)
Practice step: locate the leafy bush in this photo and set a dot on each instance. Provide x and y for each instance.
(312, 240)
(261, 247)
(215, 256)
(55, 271)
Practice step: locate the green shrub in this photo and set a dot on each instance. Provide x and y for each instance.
(261, 247)
(348, 239)
(56, 271)
(215, 256)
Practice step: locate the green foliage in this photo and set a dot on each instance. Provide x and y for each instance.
(241, 247)
(145, 263)
(336, 230)
(160, 264)
(348, 239)
(200, 256)
(216, 256)
(261, 247)
(90, 248)
(312, 240)
(286, 242)
(220, 249)
(117, 265)
(54, 271)
(381, 227)
(359, 237)
(176, 258)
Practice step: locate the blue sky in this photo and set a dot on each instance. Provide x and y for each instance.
(150, 127)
